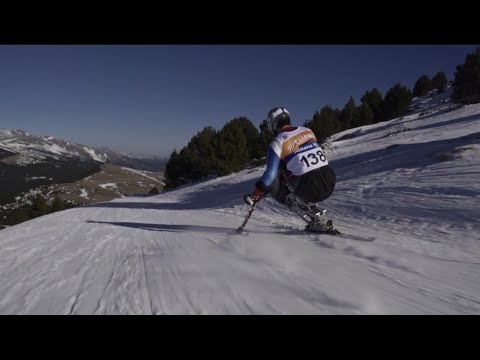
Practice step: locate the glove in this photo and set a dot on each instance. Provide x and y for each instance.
(254, 197)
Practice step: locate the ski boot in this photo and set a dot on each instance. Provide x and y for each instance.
(312, 214)
(307, 211)
(318, 226)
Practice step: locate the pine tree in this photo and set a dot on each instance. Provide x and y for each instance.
(349, 115)
(202, 150)
(251, 136)
(396, 102)
(439, 81)
(365, 115)
(22, 215)
(39, 206)
(324, 123)
(266, 136)
(374, 101)
(57, 204)
(466, 86)
(232, 148)
(172, 170)
(179, 168)
(422, 86)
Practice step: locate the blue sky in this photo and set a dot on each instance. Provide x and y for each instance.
(151, 99)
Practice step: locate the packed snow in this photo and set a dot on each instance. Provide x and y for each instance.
(415, 190)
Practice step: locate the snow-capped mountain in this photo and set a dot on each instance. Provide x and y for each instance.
(411, 182)
(21, 148)
(29, 161)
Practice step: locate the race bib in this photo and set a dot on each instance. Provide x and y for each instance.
(307, 159)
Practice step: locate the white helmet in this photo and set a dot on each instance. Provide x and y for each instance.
(277, 116)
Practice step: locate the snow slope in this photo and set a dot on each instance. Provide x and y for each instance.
(412, 183)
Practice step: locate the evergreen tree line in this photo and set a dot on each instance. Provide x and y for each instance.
(374, 108)
(466, 85)
(424, 84)
(212, 152)
(39, 207)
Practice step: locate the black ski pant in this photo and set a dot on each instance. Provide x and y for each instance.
(312, 187)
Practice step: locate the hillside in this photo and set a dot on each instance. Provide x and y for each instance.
(412, 183)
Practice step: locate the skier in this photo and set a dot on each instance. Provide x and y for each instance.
(297, 173)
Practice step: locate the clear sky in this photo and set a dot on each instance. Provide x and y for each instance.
(153, 98)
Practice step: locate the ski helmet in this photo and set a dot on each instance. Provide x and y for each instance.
(277, 116)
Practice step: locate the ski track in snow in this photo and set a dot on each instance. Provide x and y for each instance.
(178, 253)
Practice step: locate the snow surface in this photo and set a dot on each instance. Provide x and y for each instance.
(94, 155)
(83, 193)
(108, 185)
(414, 187)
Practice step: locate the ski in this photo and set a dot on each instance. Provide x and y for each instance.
(297, 231)
(326, 229)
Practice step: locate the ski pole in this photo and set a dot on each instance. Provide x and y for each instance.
(240, 229)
